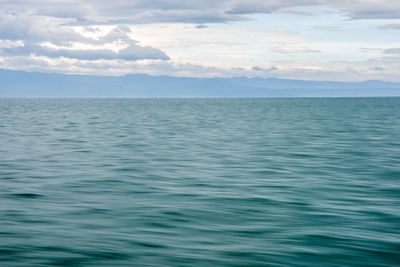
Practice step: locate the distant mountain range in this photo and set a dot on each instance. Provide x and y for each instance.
(35, 84)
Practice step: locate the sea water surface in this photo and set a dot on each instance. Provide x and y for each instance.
(200, 182)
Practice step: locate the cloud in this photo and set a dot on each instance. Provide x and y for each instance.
(394, 26)
(132, 52)
(10, 44)
(355, 9)
(201, 26)
(285, 49)
(378, 68)
(326, 28)
(99, 12)
(195, 11)
(395, 51)
(31, 27)
(258, 69)
(36, 32)
(118, 33)
(372, 9)
(345, 70)
(36, 28)
(135, 52)
(82, 36)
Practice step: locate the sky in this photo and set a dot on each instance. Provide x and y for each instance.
(337, 40)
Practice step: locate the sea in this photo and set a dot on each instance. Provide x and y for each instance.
(200, 182)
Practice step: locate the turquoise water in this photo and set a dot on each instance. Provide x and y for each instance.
(206, 182)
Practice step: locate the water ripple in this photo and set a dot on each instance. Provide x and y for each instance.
(206, 182)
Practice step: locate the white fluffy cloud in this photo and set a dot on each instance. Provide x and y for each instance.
(36, 32)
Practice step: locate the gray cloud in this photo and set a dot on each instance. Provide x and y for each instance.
(132, 52)
(201, 26)
(395, 51)
(195, 11)
(135, 52)
(355, 9)
(258, 69)
(261, 6)
(31, 27)
(394, 26)
(375, 10)
(36, 28)
(378, 68)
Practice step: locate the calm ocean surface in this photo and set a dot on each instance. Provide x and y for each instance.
(200, 182)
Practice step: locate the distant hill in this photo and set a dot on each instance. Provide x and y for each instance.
(35, 84)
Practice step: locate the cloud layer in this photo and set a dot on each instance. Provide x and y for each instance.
(195, 11)
(200, 38)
